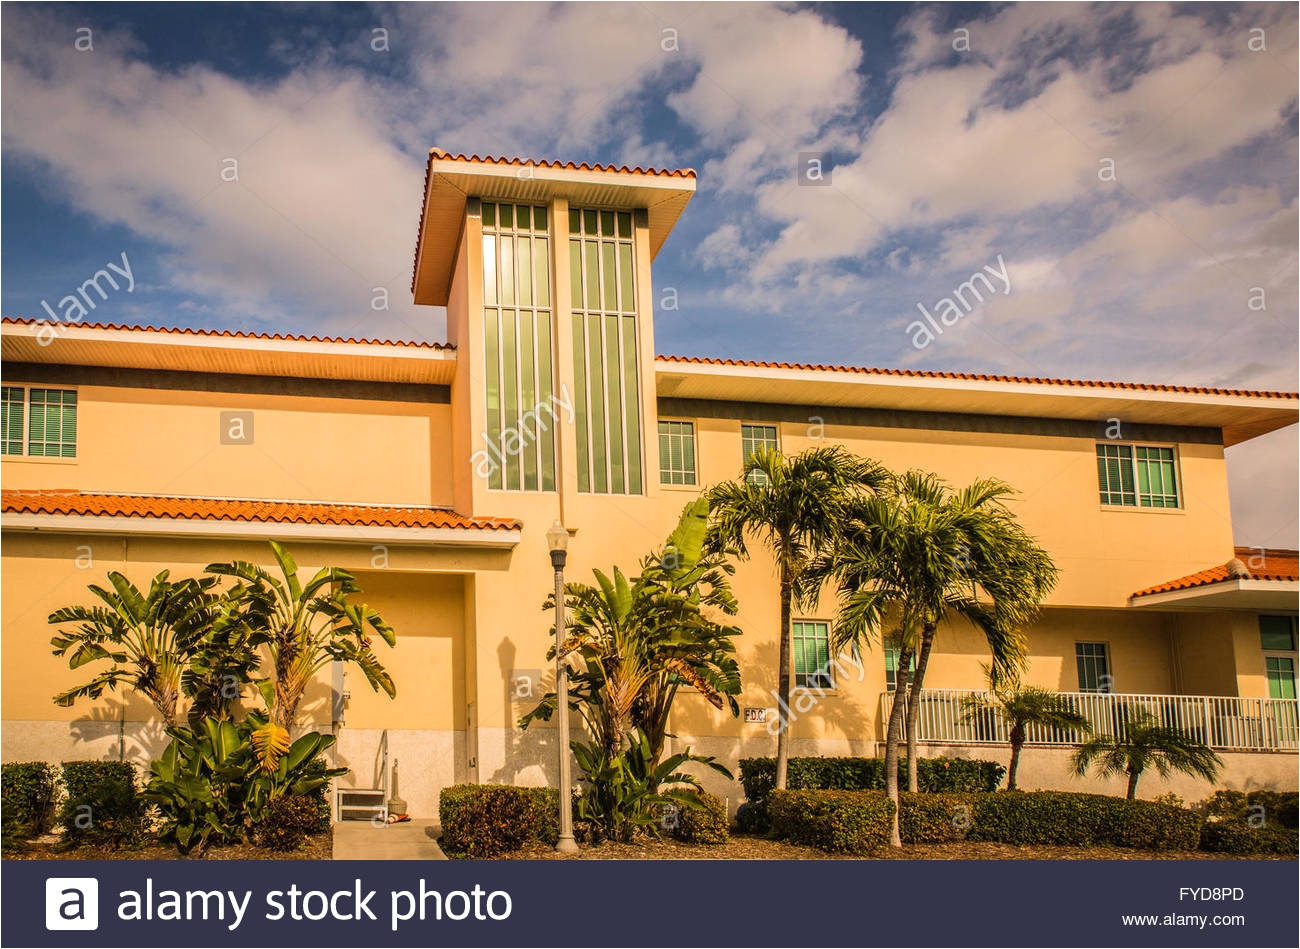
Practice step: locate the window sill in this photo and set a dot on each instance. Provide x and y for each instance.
(1135, 509)
(39, 460)
(693, 488)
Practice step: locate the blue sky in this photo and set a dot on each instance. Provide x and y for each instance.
(1132, 170)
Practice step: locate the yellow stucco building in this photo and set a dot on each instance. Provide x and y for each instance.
(433, 471)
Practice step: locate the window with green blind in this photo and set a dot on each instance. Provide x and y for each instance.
(891, 668)
(1137, 476)
(11, 417)
(51, 419)
(754, 438)
(519, 371)
(603, 290)
(677, 452)
(812, 654)
(1277, 637)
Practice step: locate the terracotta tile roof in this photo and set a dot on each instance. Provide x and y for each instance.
(229, 334)
(1277, 565)
(974, 377)
(272, 512)
(438, 154)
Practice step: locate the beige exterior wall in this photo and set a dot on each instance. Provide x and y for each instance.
(157, 441)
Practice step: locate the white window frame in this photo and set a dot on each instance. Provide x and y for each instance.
(1137, 504)
(26, 440)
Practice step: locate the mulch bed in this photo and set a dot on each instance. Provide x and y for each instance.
(317, 847)
(744, 847)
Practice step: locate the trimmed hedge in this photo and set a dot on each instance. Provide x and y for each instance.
(706, 824)
(102, 803)
(1276, 808)
(858, 821)
(487, 820)
(837, 821)
(934, 818)
(934, 775)
(1071, 819)
(26, 799)
(1232, 836)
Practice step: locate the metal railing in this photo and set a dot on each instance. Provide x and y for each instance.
(1227, 723)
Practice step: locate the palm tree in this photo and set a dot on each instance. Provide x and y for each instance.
(148, 639)
(304, 628)
(1143, 744)
(1022, 707)
(795, 508)
(914, 554)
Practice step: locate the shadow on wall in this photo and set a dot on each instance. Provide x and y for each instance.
(529, 758)
(107, 736)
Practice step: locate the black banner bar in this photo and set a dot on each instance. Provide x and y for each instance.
(650, 903)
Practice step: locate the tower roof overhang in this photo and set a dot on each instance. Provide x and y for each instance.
(450, 180)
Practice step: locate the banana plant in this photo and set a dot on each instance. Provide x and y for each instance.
(628, 790)
(147, 639)
(303, 628)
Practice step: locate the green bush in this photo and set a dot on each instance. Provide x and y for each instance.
(837, 821)
(1071, 819)
(1238, 837)
(26, 799)
(934, 775)
(934, 818)
(705, 824)
(102, 804)
(1276, 808)
(487, 820)
(287, 821)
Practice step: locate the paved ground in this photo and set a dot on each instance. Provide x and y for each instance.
(361, 840)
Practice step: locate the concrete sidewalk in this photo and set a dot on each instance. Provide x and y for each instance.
(361, 840)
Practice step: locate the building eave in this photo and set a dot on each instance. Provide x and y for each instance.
(160, 348)
(258, 530)
(1239, 414)
(1237, 595)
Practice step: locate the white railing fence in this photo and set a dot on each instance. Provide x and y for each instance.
(1228, 723)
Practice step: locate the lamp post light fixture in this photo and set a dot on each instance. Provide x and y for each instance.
(557, 540)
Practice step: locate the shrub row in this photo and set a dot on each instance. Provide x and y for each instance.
(1071, 819)
(934, 776)
(835, 821)
(101, 802)
(1239, 837)
(852, 821)
(487, 820)
(1260, 808)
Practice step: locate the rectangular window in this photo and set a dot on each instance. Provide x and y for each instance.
(752, 439)
(1094, 667)
(1281, 676)
(518, 363)
(1277, 637)
(812, 655)
(1137, 476)
(51, 418)
(891, 668)
(602, 288)
(1277, 633)
(11, 416)
(677, 452)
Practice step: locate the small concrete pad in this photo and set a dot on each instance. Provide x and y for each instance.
(362, 840)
